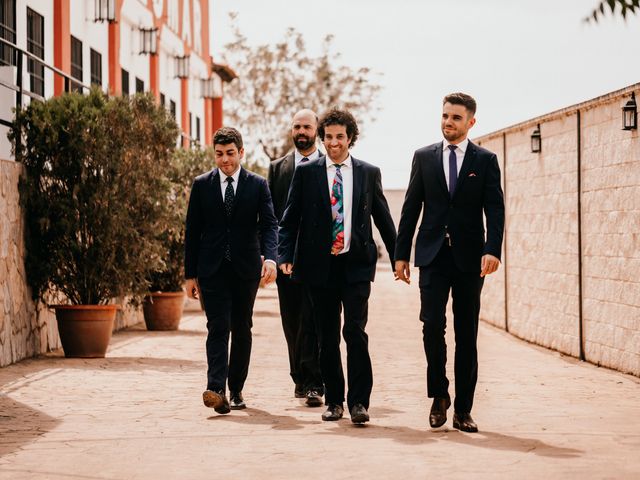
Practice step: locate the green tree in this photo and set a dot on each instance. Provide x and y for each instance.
(626, 7)
(274, 81)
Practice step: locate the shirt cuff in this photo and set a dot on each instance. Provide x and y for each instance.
(272, 261)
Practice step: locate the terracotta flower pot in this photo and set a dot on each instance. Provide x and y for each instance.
(163, 311)
(85, 330)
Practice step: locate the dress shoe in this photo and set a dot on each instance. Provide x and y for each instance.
(334, 412)
(298, 392)
(216, 400)
(438, 414)
(314, 399)
(236, 400)
(359, 414)
(464, 422)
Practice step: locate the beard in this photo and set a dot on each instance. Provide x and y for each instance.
(302, 142)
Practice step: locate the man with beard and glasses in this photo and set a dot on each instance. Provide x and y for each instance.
(454, 183)
(295, 303)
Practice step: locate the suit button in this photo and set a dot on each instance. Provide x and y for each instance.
(362, 226)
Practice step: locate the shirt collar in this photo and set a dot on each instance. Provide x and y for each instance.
(346, 163)
(235, 176)
(462, 146)
(298, 156)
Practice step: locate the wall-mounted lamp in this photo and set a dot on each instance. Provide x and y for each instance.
(630, 114)
(105, 11)
(149, 41)
(536, 140)
(182, 67)
(211, 87)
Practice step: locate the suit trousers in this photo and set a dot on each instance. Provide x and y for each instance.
(436, 281)
(228, 303)
(299, 331)
(328, 302)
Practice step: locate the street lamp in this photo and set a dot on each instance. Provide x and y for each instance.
(630, 114)
(182, 66)
(105, 11)
(536, 140)
(149, 40)
(211, 87)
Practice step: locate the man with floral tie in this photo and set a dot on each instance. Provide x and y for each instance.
(326, 241)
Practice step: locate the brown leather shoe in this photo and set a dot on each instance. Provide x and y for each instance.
(359, 414)
(438, 414)
(334, 412)
(314, 399)
(464, 422)
(216, 400)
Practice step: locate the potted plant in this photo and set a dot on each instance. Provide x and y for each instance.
(94, 194)
(164, 305)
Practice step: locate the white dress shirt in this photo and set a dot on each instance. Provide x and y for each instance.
(461, 148)
(223, 182)
(234, 184)
(347, 194)
(298, 156)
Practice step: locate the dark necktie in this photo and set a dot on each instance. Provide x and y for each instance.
(304, 159)
(453, 169)
(337, 212)
(228, 206)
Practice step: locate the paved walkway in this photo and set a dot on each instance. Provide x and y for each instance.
(138, 414)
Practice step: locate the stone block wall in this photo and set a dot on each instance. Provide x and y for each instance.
(572, 244)
(26, 330)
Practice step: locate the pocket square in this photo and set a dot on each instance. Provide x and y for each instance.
(472, 174)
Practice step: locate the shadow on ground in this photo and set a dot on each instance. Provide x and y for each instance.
(17, 422)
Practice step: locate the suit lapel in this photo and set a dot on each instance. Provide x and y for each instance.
(439, 168)
(467, 164)
(288, 167)
(321, 176)
(240, 189)
(357, 186)
(217, 192)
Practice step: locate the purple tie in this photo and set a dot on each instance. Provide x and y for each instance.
(453, 170)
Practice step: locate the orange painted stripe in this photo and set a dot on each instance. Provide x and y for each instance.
(184, 102)
(115, 76)
(61, 42)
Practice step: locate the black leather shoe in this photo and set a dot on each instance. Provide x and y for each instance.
(237, 402)
(438, 414)
(334, 412)
(314, 399)
(298, 392)
(216, 400)
(359, 414)
(464, 422)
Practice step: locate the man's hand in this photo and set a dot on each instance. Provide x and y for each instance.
(489, 265)
(269, 273)
(286, 268)
(191, 286)
(403, 272)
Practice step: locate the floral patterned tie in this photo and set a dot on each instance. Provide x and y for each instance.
(337, 213)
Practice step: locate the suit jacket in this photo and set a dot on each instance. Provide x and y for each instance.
(279, 178)
(251, 230)
(477, 191)
(307, 220)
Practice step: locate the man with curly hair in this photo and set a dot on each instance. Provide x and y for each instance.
(325, 240)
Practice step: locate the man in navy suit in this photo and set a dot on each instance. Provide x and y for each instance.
(295, 304)
(453, 183)
(230, 229)
(325, 240)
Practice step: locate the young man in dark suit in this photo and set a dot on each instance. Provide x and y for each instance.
(455, 182)
(230, 225)
(326, 241)
(295, 304)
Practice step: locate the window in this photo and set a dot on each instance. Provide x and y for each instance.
(7, 31)
(139, 85)
(172, 108)
(35, 45)
(125, 82)
(96, 68)
(198, 129)
(163, 99)
(76, 63)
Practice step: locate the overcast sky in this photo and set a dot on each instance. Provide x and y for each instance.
(518, 58)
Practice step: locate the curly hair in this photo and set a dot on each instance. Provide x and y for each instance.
(335, 116)
(227, 135)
